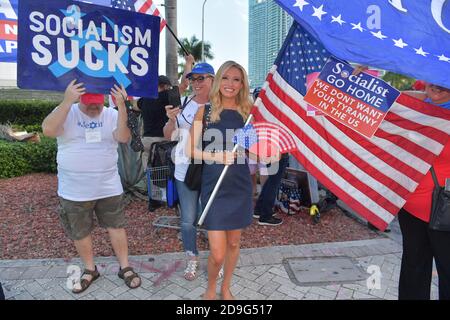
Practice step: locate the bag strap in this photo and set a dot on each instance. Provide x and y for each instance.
(206, 116)
(433, 174)
(205, 120)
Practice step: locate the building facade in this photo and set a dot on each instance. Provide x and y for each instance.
(268, 27)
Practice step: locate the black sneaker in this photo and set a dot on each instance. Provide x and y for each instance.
(272, 221)
(153, 205)
(256, 215)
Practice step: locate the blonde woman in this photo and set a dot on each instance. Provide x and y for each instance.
(231, 210)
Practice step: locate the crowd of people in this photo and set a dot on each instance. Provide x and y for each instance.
(218, 103)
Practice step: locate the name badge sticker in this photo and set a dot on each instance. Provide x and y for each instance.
(93, 135)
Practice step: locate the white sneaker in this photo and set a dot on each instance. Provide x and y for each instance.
(220, 275)
(190, 273)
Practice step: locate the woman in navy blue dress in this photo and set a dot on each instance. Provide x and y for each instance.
(231, 210)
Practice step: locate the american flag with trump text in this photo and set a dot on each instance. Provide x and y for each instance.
(373, 176)
(142, 6)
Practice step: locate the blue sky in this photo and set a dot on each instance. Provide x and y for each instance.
(226, 28)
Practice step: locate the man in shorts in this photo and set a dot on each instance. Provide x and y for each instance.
(88, 179)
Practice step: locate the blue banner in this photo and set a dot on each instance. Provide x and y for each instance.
(8, 30)
(363, 86)
(64, 40)
(407, 37)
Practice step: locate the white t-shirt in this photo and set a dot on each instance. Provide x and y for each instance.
(185, 120)
(87, 156)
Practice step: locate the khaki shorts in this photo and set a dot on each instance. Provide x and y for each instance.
(77, 217)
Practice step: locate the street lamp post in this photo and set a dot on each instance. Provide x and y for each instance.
(203, 30)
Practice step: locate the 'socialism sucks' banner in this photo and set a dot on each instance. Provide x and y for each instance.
(63, 40)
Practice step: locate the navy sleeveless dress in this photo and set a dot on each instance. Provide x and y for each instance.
(232, 207)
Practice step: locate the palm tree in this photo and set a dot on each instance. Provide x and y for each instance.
(194, 47)
(398, 81)
(171, 43)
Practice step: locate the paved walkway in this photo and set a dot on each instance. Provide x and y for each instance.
(260, 275)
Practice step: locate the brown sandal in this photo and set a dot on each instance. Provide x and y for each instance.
(129, 279)
(85, 283)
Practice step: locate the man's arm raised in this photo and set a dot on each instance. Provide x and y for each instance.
(52, 126)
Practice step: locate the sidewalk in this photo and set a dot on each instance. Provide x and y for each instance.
(261, 274)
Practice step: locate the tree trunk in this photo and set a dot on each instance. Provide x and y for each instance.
(171, 43)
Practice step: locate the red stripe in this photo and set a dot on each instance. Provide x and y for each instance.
(423, 107)
(364, 143)
(147, 4)
(429, 132)
(327, 159)
(413, 148)
(341, 194)
(272, 131)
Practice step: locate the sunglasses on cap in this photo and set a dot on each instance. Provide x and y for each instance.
(198, 79)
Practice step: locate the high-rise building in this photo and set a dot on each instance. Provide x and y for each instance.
(268, 27)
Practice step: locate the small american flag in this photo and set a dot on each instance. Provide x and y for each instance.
(264, 139)
(142, 6)
(373, 176)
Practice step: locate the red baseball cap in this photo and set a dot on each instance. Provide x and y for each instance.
(419, 85)
(92, 98)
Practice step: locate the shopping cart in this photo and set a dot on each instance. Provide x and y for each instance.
(157, 182)
(160, 182)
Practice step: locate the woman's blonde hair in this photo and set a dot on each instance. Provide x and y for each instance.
(243, 98)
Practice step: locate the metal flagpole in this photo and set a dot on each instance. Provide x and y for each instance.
(179, 42)
(219, 182)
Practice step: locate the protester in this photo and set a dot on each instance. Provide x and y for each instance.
(231, 210)
(421, 244)
(88, 180)
(201, 78)
(266, 200)
(154, 116)
(2, 295)
(256, 166)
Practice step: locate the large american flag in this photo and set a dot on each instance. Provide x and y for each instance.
(372, 176)
(142, 6)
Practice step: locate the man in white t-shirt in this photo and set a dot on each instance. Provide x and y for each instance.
(88, 179)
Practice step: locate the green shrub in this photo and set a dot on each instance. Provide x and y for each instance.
(28, 128)
(20, 158)
(25, 112)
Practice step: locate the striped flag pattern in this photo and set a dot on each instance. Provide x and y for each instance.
(148, 7)
(373, 176)
(142, 6)
(263, 138)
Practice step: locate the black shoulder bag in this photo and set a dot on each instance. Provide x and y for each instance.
(193, 178)
(440, 207)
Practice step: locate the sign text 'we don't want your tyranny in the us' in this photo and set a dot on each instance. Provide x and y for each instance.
(360, 102)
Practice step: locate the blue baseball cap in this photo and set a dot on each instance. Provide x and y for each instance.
(201, 68)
